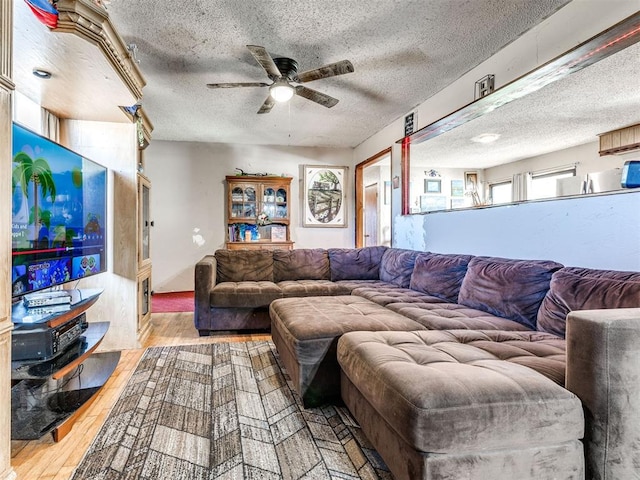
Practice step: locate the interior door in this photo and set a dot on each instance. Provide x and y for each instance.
(371, 215)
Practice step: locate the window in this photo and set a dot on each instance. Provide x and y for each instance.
(500, 192)
(543, 184)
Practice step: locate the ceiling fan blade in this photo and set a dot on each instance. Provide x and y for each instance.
(338, 68)
(264, 59)
(267, 105)
(240, 84)
(315, 96)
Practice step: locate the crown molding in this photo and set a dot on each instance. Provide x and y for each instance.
(91, 22)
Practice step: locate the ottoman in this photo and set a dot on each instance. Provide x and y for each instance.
(462, 404)
(305, 332)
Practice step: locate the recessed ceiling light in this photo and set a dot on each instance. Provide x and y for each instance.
(486, 138)
(38, 72)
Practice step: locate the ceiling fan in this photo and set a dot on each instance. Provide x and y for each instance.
(283, 72)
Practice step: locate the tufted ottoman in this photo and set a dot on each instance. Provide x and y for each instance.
(460, 404)
(306, 331)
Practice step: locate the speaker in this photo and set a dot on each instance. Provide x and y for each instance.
(631, 174)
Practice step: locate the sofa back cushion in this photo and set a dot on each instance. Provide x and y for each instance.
(507, 288)
(586, 289)
(439, 274)
(301, 264)
(355, 263)
(244, 265)
(397, 266)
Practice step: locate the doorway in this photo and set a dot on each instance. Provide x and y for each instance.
(371, 215)
(373, 200)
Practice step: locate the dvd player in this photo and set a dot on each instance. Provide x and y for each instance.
(46, 298)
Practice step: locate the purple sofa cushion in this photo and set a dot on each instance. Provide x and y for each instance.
(301, 264)
(439, 275)
(397, 266)
(355, 263)
(244, 266)
(586, 289)
(507, 288)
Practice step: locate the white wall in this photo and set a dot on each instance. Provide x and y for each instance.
(601, 231)
(188, 198)
(541, 44)
(586, 158)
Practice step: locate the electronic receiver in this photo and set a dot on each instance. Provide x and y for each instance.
(43, 343)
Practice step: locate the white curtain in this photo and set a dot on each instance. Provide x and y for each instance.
(50, 125)
(521, 185)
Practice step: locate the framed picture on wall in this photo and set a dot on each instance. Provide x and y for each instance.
(471, 181)
(457, 188)
(432, 186)
(324, 196)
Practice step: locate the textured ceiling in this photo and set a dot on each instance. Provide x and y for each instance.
(573, 111)
(403, 52)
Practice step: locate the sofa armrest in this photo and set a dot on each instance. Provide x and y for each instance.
(204, 280)
(603, 348)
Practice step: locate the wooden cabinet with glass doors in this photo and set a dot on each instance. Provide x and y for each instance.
(258, 212)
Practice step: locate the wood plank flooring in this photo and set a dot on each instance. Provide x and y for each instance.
(44, 459)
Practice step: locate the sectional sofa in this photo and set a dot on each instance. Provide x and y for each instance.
(454, 365)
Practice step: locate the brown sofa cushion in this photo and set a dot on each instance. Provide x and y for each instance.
(507, 288)
(459, 390)
(397, 266)
(301, 264)
(244, 294)
(383, 295)
(244, 265)
(440, 275)
(355, 263)
(449, 316)
(311, 288)
(586, 289)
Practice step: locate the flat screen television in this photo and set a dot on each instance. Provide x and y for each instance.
(59, 211)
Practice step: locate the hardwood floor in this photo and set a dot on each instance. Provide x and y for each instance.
(44, 459)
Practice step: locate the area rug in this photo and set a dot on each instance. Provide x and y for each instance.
(172, 302)
(224, 411)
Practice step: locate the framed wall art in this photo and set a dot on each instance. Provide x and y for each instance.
(432, 185)
(457, 188)
(471, 181)
(324, 196)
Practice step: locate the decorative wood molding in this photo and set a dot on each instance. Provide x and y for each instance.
(5, 326)
(359, 191)
(92, 23)
(6, 42)
(622, 140)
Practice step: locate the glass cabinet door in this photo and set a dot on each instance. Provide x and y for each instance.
(269, 202)
(281, 203)
(243, 202)
(145, 223)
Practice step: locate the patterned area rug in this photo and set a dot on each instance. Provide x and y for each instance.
(224, 411)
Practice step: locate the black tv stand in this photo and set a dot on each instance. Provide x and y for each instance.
(49, 395)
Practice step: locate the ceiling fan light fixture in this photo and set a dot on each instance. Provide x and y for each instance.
(281, 91)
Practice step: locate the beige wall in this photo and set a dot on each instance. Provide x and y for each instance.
(113, 146)
(188, 199)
